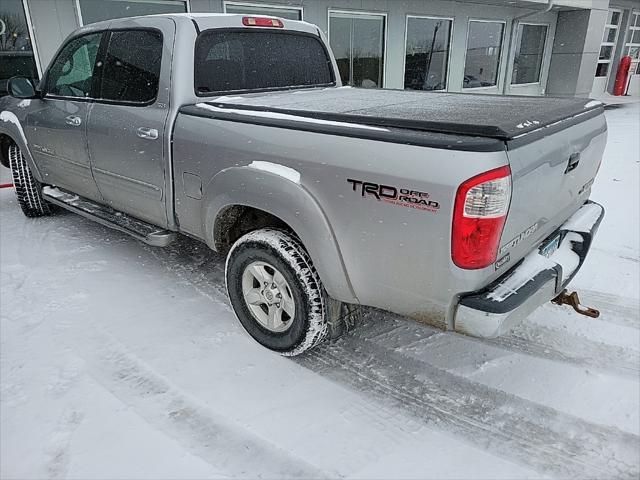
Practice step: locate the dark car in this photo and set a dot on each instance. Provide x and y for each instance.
(16, 63)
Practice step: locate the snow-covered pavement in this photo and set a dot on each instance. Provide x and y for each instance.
(120, 360)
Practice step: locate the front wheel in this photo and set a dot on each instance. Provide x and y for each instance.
(28, 189)
(276, 292)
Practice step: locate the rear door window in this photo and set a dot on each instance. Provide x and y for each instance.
(131, 71)
(231, 60)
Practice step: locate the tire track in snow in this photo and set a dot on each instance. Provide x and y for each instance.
(201, 268)
(555, 344)
(213, 438)
(537, 341)
(58, 449)
(206, 434)
(509, 426)
(619, 310)
(545, 439)
(196, 266)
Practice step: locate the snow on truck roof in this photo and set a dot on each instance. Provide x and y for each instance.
(214, 20)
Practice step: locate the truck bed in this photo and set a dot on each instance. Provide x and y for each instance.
(516, 120)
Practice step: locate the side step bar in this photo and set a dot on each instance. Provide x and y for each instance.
(143, 231)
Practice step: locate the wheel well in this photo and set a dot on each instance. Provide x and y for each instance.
(237, 220)
(5, 142)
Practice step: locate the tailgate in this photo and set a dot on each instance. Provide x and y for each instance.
(552, 178)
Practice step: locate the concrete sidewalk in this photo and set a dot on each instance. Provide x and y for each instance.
(613, 100)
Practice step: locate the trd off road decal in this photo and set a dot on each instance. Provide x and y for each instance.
(403, 197)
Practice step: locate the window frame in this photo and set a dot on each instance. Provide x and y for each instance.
(634, 16)
(44, 81)
(406, 35)
(263, 5)
(78, 8)
(542, 60)
(609, 44)
(333, 73)
(34, 47)
(102, 52)
(499, 79)
(385, 33)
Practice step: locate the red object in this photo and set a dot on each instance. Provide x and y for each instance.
(6, 185)
(622, 75)
(262, 22)
(481, 207)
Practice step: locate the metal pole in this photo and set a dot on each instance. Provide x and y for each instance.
(433, 41)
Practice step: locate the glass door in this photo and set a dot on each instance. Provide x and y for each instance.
(358, 43)
(632, 48)
(527, 63)
(484, 52)
(607, 49)
(527, 68)
(426, 61)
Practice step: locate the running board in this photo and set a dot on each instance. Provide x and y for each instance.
(143, 231)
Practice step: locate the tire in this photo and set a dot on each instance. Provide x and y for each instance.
(28, 189)
(260, 255)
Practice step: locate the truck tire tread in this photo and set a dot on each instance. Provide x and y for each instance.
(28, 189)
(291, 251)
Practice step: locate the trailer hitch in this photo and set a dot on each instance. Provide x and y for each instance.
(573, 300)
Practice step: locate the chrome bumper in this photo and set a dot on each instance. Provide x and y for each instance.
(535, 280)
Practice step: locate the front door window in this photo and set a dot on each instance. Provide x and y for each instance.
(71, 75)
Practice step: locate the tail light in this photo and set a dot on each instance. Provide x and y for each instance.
(480, 210)
(262, 22)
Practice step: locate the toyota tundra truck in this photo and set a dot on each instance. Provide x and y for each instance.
(463, 211)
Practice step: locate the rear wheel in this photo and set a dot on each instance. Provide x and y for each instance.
(28, 189)
(276, 292)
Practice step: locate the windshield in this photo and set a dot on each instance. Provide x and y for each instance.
(237, 60)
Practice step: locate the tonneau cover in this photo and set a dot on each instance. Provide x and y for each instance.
(491, 116)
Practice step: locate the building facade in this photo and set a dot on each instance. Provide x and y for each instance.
(517, 47)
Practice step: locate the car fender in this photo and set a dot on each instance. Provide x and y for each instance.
(281, 194)
(11, 125)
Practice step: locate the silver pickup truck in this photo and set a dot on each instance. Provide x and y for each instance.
(462, 211)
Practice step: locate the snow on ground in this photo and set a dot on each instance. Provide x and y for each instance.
(120, 360)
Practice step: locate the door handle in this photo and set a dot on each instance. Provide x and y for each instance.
(574, 159)
(73, 121)
(148, 133)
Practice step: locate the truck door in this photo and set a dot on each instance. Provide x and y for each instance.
(127, 121)
(56, 125)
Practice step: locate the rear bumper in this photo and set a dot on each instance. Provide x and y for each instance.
(533, 281)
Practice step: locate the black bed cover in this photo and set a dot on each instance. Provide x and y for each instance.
(498, 117)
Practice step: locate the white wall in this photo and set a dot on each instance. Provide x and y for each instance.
(53, 21)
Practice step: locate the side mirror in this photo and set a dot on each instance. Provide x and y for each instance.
(21, 87)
